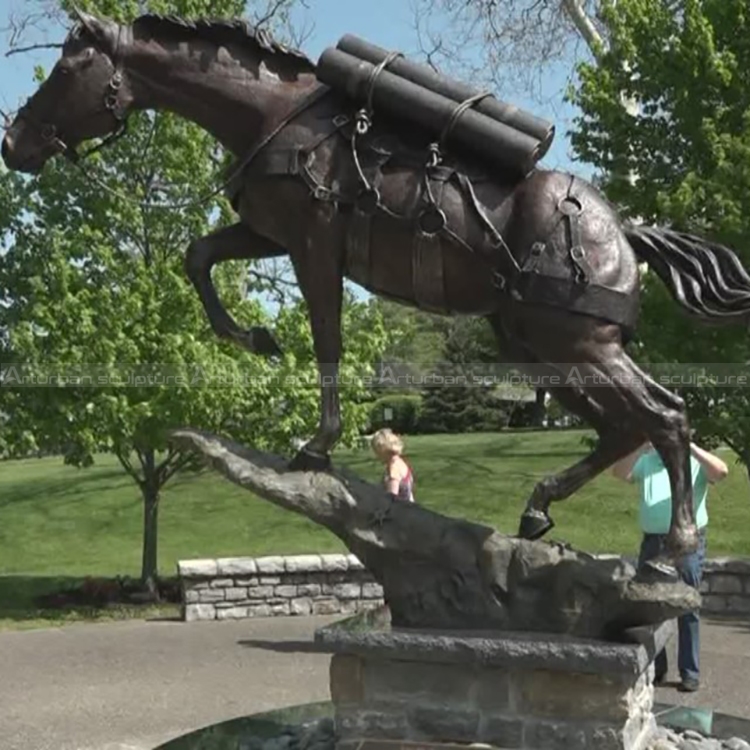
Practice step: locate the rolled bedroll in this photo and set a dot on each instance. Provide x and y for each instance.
(424, 75)
(484, 137)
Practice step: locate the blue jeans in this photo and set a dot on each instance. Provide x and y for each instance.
(690, 569)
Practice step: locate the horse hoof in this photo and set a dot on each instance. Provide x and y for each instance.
(656, 571)
(309, 461)
(534, 524)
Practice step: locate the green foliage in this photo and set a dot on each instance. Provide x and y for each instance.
(687, 64)
(94, 295)
(405, 413)
(456, 398)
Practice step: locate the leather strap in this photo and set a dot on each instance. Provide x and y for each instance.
(589, 299)
(428, 267)
(358, 239)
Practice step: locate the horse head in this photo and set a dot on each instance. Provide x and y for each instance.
(84, 97)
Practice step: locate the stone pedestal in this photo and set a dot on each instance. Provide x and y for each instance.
(520, 691)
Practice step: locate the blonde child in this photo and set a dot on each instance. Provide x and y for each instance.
(398, 479)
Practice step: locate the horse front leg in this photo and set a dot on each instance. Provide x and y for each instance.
(320, 276)
(237, 242)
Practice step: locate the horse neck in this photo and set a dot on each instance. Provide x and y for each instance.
(234, 93)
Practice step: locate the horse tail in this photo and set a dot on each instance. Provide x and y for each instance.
(705, 278)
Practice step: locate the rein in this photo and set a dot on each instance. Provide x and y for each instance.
(49, 134)
(243, 164)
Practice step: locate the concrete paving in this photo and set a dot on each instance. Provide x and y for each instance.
(725, 669)
(135, 685)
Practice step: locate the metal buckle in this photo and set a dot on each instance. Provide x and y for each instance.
(321, 193)
(340, 120)
(577, 252)
(570, 206)
(432, 220)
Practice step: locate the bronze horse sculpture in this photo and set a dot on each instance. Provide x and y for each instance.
(545, 259)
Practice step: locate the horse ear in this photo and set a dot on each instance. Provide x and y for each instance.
(103, 30)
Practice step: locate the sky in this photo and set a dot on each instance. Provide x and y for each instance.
(387, 23)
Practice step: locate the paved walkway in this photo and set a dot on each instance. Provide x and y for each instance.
(134, 685)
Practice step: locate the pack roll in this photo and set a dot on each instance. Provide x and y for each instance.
(469, 120)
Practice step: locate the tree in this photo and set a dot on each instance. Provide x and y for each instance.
(94, 297)
(502, 42)
(686, 64)
(457, 398)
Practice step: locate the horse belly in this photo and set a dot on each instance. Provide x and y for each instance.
(434, 273)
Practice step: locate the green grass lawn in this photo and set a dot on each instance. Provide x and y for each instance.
(59, 524)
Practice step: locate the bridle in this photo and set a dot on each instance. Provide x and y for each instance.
(50, 133)
(111, 103)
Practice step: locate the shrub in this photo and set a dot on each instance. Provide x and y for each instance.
(405, 411)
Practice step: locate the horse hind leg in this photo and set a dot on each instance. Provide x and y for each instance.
(612, 442)
(628, 399)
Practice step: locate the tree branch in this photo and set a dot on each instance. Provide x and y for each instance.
(125, 463)
(441, 572)
(29, 48)
(585, 26)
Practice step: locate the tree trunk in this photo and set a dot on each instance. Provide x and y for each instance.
(540, 408)
(150, 492)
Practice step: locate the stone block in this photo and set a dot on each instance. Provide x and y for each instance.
(280, 609)
(501, 731)
(235, 594)
(372, 591)
(422, 683)
(334, 562)
(371, 724)
(347, 590)
(259, 592)
(354, 562)
(195, 612)
(492, 690)
(301, 606)
(212, 595)
(367, 605)
(349, 606)
(738, 604)
(231, 613)
(221, 583)
(191, 596)
(303, 563)
(444, 725)
(326, 607)
(236, 566)
(195, 583)
(187, 568)
(547, 735)
(339, 577)
(269, 580)
(714, 603)
(728, 565)
(259, 610)
(246, 582)
(274, 564)
(561, 695)
(309, 589)
(725, 584)
(346, 675)
(285, 592)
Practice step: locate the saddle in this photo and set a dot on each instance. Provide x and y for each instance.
(355, 191)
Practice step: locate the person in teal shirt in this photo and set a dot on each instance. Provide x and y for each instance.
(654, 515)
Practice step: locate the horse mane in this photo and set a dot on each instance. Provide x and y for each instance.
(221, 30)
